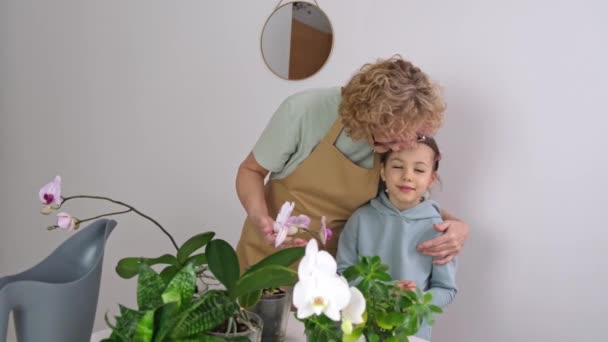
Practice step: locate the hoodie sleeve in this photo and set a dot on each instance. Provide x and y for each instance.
(443, 283)
(348, 253)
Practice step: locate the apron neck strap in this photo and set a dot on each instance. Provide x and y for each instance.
(334, 132)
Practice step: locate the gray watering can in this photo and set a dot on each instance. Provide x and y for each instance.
(56, 300)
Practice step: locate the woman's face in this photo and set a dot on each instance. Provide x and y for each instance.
(382, 142)
(408, 175)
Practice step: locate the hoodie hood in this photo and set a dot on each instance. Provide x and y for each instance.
(425, 210)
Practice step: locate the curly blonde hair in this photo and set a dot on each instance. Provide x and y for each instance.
(393, 97)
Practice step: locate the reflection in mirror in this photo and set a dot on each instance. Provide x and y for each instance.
(296, 40)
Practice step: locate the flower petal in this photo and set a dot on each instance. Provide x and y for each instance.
(301, 221)
(285, 212)
(281, 235)
(355, 308)
(51, 192)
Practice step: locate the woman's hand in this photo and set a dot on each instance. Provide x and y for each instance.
(445, 247)
(406, 285)
(264, 225)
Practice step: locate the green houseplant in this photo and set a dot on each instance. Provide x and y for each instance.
(168, 308)
(172, 312)
(374, 309)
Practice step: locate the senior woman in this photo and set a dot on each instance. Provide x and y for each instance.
(322, 147)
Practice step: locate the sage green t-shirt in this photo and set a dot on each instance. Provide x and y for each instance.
(298, 125)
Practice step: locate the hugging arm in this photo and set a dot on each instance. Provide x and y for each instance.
(446, 246)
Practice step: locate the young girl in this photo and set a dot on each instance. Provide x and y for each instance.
(393, 223)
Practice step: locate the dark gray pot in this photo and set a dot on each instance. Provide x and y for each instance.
(254, 335)
(56, 300)
(274, 311)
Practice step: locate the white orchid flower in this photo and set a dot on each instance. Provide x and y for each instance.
(316, 262)
(353, 312)
(327, 294)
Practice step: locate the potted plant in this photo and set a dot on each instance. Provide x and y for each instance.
(375, 309)
(275, 303)
(274, 307)
(247, 289)
(168, 306)
(172, 312)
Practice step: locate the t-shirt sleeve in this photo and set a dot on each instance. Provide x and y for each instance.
(280, 138)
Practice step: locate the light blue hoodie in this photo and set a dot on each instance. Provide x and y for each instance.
(379, 228)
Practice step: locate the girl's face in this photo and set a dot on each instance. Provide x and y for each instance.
(408, 175)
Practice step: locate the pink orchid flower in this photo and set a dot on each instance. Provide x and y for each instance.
(285, 224)
(67, 221)
(325, 233)
(50, 194)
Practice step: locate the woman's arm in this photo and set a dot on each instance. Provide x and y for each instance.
(250, 190)
(445, 247)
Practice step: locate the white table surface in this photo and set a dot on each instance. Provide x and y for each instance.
(295, 333)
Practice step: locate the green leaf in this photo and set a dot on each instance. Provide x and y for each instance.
(168, 273)
(150, 288)
(145, 328)
(207, 312)
(264, 278)
(372, 337)
(383, 321)
(165, 321)
(128, 267)
(435, 308)
(126, 323)
(284, 257)
(223, 262)
(194, 243)
(249, 299)
(351, 273)
(428, 297)
(181, 287)
(197, 259)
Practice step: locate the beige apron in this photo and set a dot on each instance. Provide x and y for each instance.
(326, 183)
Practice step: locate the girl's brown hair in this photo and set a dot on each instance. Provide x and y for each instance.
(425, 140)
(391, 96)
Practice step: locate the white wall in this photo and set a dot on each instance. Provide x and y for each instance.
(156, 103)
(276, 40)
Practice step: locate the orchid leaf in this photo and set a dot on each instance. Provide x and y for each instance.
(249, 299)
(223, 262)
(284, 257)
(168, 273)
(267, 277)
(129, 267)
(192, 245)
(197, 259)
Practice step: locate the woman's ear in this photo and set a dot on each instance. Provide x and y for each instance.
(382, 172)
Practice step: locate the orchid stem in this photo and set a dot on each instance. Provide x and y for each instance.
(104, 215)
(315, 237)
(130, 209)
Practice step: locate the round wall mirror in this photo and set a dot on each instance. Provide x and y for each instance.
(296, 40)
